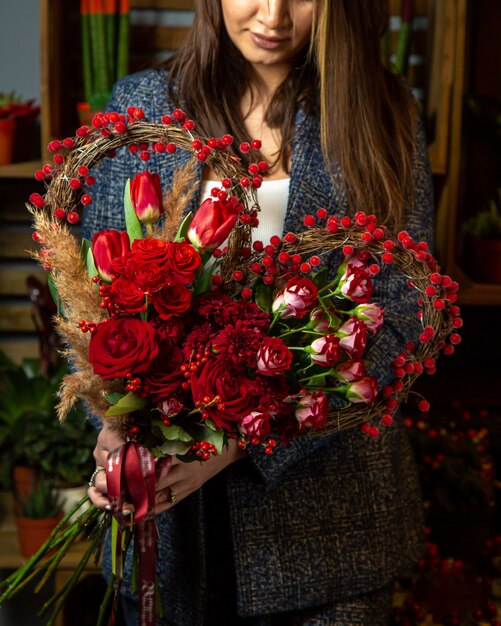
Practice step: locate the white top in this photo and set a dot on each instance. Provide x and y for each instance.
(272, 198)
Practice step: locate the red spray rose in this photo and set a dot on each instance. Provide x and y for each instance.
(212, 223)
(146, 197)
(296, 299)
(183, 261)
(127, 295)
(171, 300)
(149, 277)
(122, 346)
(274, 357)
(106, 246)
(153, 250)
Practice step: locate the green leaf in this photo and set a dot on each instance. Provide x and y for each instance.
(128, 404)
(172, 432)
(263, 296)
(183, 228)
(320, 278)
(55, 294)
(113, 398)
(172, 447)
(90, 265)
(132, 223)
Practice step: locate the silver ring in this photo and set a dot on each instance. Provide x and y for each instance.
(92, 480)
(172, 496)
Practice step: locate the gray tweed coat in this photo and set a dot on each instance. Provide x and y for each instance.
(325, 518)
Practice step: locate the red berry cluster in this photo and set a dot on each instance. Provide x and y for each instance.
(86, 326)
(203, 450)
(187, 369)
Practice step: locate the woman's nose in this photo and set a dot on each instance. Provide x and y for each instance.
(274, 14)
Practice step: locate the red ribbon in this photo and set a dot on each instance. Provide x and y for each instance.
(130, 474)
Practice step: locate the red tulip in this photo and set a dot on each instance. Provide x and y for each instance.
(146, 196)
(212, 223)
(106, 246)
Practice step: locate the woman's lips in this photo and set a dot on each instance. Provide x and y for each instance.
(268, 43)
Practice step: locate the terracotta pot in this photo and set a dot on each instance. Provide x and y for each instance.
(7, 132)
(24, 480)
(33, 533)
(483, 259)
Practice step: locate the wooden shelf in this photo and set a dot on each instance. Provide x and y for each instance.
(26, 169)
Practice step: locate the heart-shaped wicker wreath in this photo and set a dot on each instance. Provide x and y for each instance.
(65, 183)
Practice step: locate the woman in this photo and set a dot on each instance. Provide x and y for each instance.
(315, 533)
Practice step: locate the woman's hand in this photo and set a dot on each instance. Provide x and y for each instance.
(107, 441)
(175, 480)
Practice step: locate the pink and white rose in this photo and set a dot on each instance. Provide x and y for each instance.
(325, 351)
(350, 371)
(353, 337)
(273, 357)
(311, 410)
(297, 298)
(255, 424)
(371, 314)
(362, 391)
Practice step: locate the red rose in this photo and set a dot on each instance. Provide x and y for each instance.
(219, 377)
(122, 346)
(171, 300)
(148, 276)
(127, 295)
(183, 261)
(274, 357)
(164, 376)
(153, 250)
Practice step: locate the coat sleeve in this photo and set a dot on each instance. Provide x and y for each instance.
(401, 324)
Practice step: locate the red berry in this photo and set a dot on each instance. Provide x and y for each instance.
(171, 148)
(348, 250)
(86, 199)
(346, 221)
(424, 406)
(60, 214)
(73, 217)
(256, 144)
(245, 147)
(309, 220)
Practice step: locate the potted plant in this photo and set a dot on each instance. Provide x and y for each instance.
(17, 124)
(39, 515)
(483, 243)
(105, 51)
(31, 434)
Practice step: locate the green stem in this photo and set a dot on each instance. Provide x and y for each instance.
(328, 372)
(106, 601)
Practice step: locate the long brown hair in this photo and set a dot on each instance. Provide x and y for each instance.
(367, 118)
